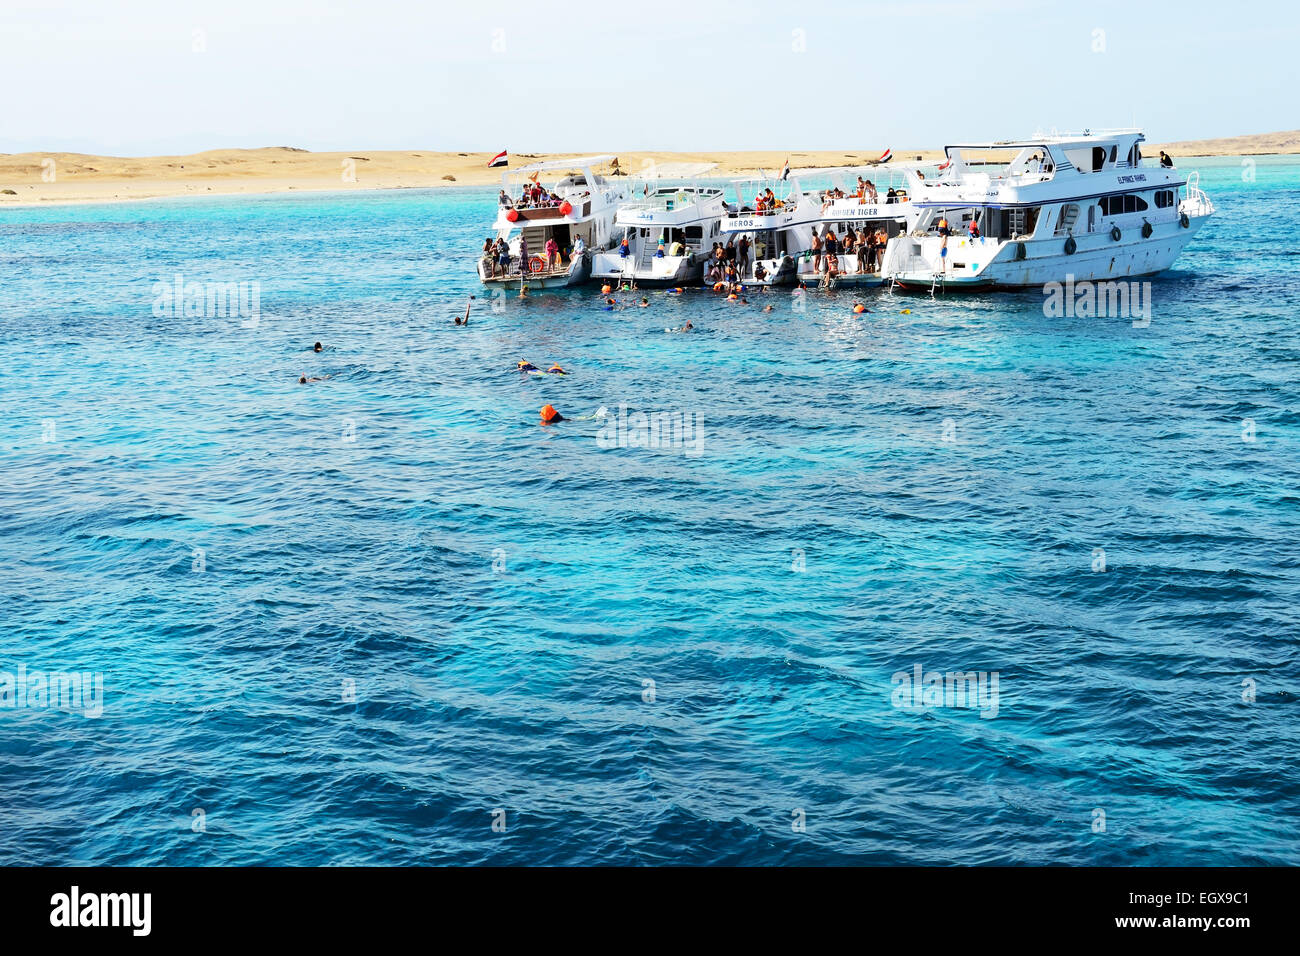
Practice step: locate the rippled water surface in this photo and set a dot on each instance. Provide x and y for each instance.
(344, 622)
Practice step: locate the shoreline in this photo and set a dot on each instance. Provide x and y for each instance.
(35, 180)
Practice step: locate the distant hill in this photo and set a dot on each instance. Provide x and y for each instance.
(1257, 144)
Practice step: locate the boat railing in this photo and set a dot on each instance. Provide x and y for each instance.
(1197, 202)
(537, 268)
(748, 212)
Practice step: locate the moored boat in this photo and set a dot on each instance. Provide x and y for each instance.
(1083, 206)
(662, 235)
(546, 231)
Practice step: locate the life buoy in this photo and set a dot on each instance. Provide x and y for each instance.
(1146, 229)
(512, 215)
(566, 207)
(1021, 251)
(1184, 221)
(1070, 246)
(536, 264)
(1115, 233)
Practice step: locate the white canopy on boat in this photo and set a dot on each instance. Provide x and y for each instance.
(675, 171)
(810, 171)
(578, 162)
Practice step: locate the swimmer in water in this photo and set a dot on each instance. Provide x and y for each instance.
(303, 379)
(550, 416)
(465, 321)
(556, 370)
(317, 347)
(644, 302)
(527, 367)
(767, 308)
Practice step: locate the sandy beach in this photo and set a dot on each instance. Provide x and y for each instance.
(40, 178)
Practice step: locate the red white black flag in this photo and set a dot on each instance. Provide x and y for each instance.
(500, 159)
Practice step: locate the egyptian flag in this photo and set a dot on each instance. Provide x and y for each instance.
(500, 159)
(886, 156)
(943, 166)
(785, 170)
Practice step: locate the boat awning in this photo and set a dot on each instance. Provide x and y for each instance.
(675, 171)
(811, 171)
(578, 162)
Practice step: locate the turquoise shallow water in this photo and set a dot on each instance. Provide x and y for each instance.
(457, 611)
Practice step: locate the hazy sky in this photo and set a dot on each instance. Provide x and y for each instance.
(169, 76)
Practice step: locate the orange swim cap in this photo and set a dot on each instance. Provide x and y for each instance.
(859, 308)
(605, 289)
(548, 413)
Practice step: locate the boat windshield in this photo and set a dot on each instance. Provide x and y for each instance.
(668, 198)
(1004, 162)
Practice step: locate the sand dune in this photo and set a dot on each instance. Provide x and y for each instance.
(40, 178)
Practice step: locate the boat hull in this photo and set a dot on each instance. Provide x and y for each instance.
(666, 271)
(1097, 257)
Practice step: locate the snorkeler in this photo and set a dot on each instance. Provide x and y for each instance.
(556, 370)
(550, 416)
(303, 379)
(526, 367)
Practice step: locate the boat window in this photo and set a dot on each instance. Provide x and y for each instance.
(694, 232)
(1098, 157)
(1115, 205)
(1079, 159)
(1164, 198)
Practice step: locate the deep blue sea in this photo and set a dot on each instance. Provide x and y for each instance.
(387, 618)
